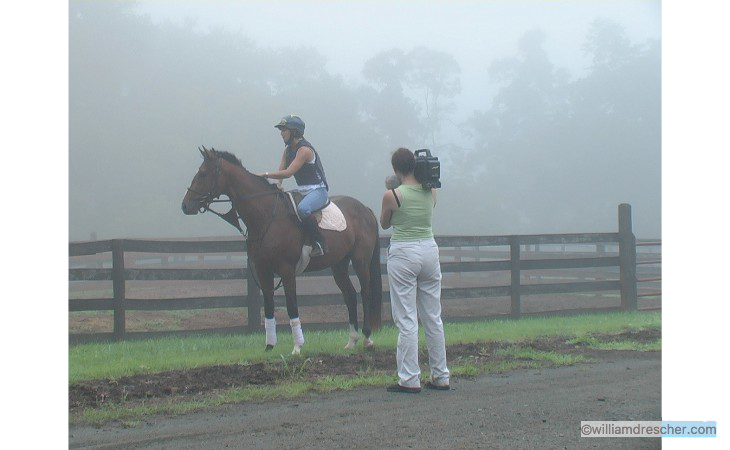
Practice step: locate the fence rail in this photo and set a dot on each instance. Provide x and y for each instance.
(509, 260)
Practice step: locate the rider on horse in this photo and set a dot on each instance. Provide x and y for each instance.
(301, 160)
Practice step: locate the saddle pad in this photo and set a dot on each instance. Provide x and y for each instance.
(332, 218)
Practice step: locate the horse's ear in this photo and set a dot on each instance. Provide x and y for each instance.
(202, 153)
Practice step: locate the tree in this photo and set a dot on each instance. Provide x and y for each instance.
(617, 122)
(385, 103)
(409, 94)
(435, 75)
(515, 145)
(556, 155)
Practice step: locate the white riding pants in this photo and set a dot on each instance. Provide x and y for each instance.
(414, 275)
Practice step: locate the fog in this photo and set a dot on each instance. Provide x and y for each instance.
(545, 115)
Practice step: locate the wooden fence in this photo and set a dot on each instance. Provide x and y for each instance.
(624, 263)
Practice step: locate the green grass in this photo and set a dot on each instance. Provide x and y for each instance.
(530, 354)
(129, 416)
(133, 415)
(533, 328)
(592, 342)
(109, 361)
(114, 360)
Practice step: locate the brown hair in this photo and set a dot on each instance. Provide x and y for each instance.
(403, 161)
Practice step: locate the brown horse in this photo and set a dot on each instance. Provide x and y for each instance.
(275, 240)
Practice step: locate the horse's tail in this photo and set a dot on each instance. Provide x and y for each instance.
(376, 284)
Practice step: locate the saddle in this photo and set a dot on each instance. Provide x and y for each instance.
(329, 217)
(296, 197)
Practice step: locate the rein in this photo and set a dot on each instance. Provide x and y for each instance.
(232, 215)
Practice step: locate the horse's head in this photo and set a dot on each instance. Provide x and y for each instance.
(205, 185)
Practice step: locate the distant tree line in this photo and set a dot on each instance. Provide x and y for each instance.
(549, 153)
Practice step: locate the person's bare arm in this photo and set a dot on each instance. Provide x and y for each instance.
(389, 205)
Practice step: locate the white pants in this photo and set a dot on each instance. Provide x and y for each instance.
(414, 275)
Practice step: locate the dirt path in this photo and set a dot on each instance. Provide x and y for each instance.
(521, 409)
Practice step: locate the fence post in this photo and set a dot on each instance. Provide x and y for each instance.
(253, 296)
(514, 251)
(627, 258)
(119, 287)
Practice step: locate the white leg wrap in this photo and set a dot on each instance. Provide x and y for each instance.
(270, 327)
(354, 337)
(297, 335)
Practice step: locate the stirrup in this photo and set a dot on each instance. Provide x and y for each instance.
(317, 249)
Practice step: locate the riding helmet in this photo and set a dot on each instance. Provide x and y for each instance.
(291, 122)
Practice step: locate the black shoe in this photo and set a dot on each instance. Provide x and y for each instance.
(399, 388)
(438, 387)
(311, 229)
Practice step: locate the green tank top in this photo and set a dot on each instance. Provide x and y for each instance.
(412, 221)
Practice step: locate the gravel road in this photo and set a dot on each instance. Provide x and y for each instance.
(522, 409)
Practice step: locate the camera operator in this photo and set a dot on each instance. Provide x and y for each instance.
(414, 275)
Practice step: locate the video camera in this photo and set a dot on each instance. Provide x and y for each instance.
(428, 169)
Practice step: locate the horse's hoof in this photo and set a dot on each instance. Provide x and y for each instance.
(351, 343)
(368, 343)
(269, 347)
(297, 350)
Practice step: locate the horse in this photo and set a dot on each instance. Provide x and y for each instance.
(276, 237)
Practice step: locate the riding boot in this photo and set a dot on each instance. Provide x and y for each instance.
(312, 229)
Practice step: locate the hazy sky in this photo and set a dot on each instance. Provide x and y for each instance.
(348, 33)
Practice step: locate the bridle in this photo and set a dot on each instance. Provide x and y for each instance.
(232, 217)
(206, 199)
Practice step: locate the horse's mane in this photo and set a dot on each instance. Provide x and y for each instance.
(233, 159)
(230, 157)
